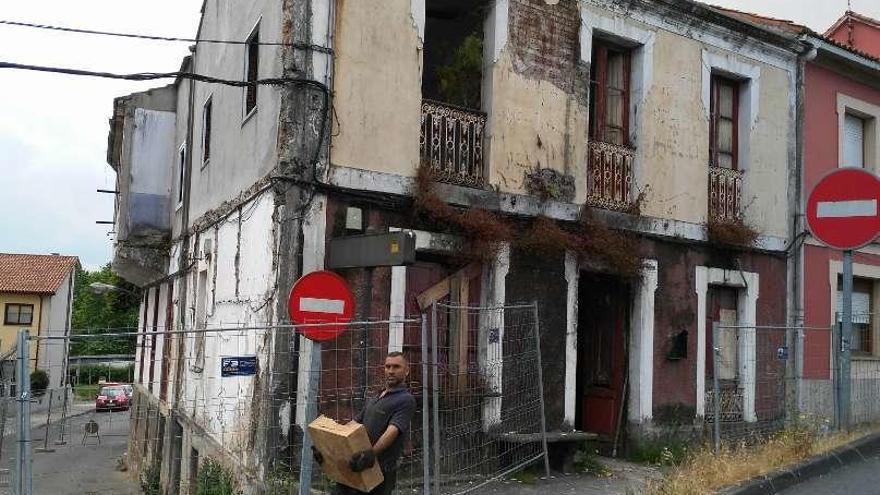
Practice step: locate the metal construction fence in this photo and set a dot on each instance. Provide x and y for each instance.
(224, 406)
(864, 369)
(751, 381)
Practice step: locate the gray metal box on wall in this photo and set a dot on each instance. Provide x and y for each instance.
(359, 251)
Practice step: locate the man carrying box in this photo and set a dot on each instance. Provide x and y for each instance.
(387, 421)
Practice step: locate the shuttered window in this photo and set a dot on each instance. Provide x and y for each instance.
(853, 141)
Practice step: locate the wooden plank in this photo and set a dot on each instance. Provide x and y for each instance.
(434, 293)
(441, 289)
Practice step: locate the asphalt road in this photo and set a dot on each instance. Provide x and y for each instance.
(855, 479)
(74, 468)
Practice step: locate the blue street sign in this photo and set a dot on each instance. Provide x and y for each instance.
(238, 366)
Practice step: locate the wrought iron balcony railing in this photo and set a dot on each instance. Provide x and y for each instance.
(451, 143)
(725, 191)
(610, 176)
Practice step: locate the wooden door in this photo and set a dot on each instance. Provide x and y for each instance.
(603, 320)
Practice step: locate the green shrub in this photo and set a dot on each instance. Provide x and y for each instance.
(89, 374)
(39, 382)
(150, 480)
(214, 479)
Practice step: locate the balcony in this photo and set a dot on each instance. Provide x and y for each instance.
(451, 143)
(610, 176)
(725, 188)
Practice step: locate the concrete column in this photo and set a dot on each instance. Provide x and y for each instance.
(314, 225)
(572, 276)
(641, 351)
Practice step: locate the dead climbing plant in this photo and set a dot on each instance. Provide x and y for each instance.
(484, 230)
(589, 238)
(734, 233)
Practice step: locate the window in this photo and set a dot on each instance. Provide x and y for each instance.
(853, 141)
(206, 130)
(252, 70)
(19, 314)
(610, 94)
(724, 123)
(862, 338)
(181, 172)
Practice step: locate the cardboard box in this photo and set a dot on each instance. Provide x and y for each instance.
(337, 443)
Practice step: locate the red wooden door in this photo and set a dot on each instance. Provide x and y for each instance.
(603, 323)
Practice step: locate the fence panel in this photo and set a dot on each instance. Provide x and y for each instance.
(227, 404)
(748, 373)
(489, 404)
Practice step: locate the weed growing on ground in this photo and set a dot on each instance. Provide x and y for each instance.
(528, 476)
(704, 471)
(585, 461)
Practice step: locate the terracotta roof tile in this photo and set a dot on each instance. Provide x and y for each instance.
(34, 273)
(784, 25)
(793, 28)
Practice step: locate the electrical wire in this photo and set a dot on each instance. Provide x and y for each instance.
(152, 76)
(66, 29)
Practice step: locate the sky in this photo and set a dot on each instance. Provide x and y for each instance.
(53, 128)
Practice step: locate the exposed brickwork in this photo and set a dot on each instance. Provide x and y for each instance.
(545, 41)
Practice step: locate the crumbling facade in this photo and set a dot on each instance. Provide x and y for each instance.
(628, 165)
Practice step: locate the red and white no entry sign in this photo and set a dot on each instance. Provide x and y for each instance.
(842, 210)
(321, 297)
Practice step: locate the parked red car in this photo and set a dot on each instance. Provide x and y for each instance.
(110, 398)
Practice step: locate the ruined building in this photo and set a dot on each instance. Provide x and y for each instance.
(629, 165)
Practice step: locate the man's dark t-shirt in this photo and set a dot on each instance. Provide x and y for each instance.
(396, 408)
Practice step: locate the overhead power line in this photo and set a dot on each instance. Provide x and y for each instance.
(151, 76)
(304, 46)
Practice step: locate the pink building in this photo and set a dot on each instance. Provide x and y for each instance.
(841, 108)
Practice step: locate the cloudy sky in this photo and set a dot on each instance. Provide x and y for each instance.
(53, 128)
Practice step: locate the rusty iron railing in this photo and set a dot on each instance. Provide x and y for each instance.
(610, 176)
(451, 143)
(725, 191)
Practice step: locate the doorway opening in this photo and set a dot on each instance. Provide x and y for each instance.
(604, 303)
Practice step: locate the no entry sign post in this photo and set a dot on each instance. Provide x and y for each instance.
(322, 302)
(842, 212)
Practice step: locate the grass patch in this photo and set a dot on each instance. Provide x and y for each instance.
(586, 461)
(703, 471)
(86, 392)
(528, 476)
(660, 453)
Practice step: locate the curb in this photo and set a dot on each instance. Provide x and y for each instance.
(777, 481)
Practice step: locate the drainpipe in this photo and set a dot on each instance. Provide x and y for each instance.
(796, 256)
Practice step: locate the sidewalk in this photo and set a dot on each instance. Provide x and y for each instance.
(626, 478)
(38, 419)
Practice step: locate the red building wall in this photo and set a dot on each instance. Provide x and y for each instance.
(820, 158)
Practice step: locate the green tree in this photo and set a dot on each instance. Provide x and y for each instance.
(95, 314)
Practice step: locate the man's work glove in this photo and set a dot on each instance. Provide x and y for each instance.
(317, 455)
(362, 461)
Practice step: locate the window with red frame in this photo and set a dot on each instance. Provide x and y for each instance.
(723, 127)
(610, 93)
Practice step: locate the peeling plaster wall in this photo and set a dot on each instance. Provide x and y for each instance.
(243, 149)
(535, 124)
(239, 293)
(377, 86)
(535, 93)
(673, 137)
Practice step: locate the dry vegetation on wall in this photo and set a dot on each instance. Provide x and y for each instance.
(484, 230)
(589, 238)
(727, 233)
